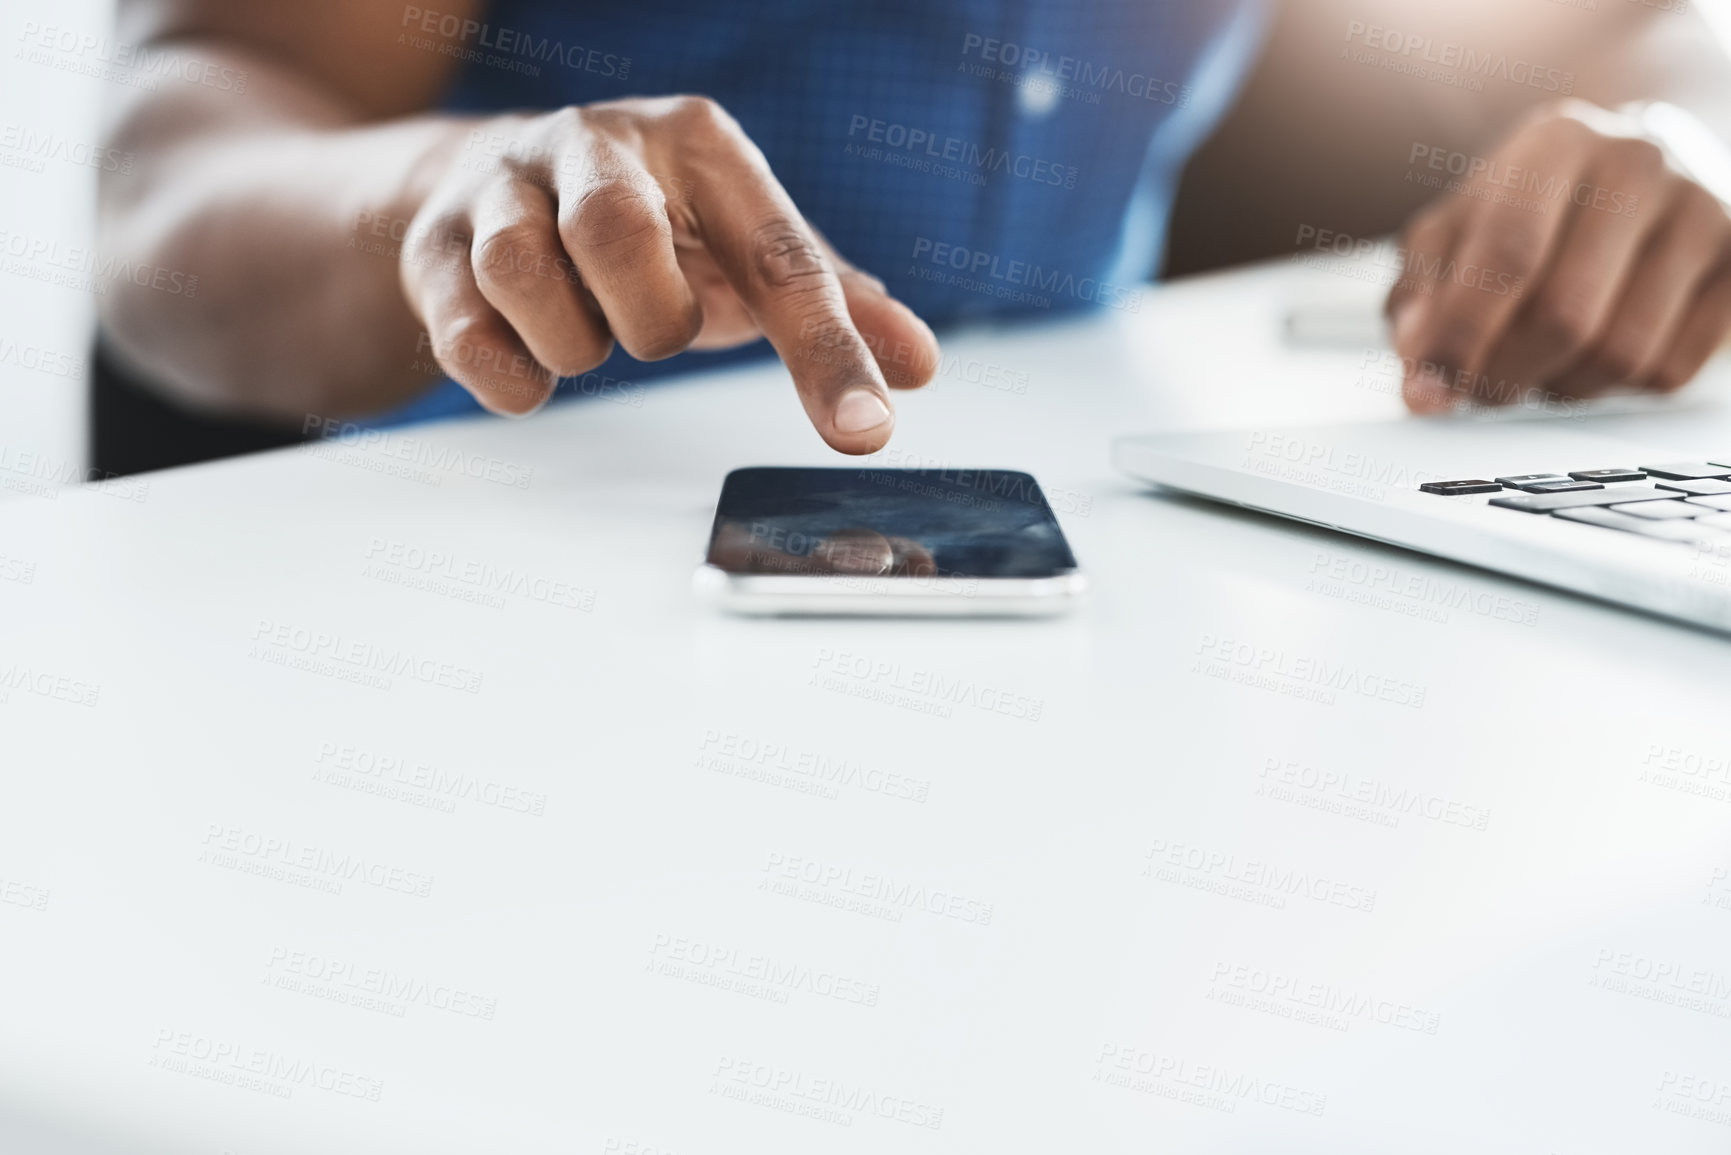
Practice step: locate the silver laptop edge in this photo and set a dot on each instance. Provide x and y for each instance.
(1358, 490)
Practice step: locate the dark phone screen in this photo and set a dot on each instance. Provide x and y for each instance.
(985, 523)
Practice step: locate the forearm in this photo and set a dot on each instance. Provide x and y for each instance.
(289, 213)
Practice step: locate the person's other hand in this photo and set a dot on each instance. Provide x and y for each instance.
(658, 224)
(1576, 259)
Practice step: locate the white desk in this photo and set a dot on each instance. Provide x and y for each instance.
(247, 906)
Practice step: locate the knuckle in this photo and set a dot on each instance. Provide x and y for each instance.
(825, 336)
(1432, 218)
(1635, 155)
(827, 340)
(785, 256)
(1567, 121)
(1700, 210)
(1546, 115)
(702, 114)
(460, 341)
(824, 327)
(1563, 320)
(438, 228)
(436, 241)
(613, 214)
(1512, 247)
(499, 254)
(1428, 233)
(569, 122)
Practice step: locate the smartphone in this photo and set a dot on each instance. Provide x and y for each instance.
(887, 542)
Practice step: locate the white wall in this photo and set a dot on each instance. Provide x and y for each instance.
(49, 102)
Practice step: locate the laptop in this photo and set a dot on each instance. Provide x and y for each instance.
(1630, 505)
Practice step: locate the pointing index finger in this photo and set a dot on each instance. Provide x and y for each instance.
(789, 284)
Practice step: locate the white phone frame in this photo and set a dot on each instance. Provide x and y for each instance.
(832, 595)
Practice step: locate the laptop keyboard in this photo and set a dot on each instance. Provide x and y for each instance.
(1685, 501)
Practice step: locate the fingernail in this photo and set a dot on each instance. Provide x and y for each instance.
(860, 410)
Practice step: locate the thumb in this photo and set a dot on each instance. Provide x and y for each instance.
(904, 346)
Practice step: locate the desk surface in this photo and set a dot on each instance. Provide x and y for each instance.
(401, 799)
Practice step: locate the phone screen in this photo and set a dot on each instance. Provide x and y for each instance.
(983, 523)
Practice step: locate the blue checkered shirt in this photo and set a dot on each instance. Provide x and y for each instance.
(982, 157)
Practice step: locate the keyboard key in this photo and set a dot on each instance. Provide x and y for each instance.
(1605, 475)
(1688, 470)
(1661, 510)
(1523, 480)
(1705, 485)
(1714, 521)
(1616, 495)
(1711, 500)
(1682, 531)
(1564, 486)
(1457, 488)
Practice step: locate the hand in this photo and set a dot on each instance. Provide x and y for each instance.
(658, 224)
(1578, 259)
